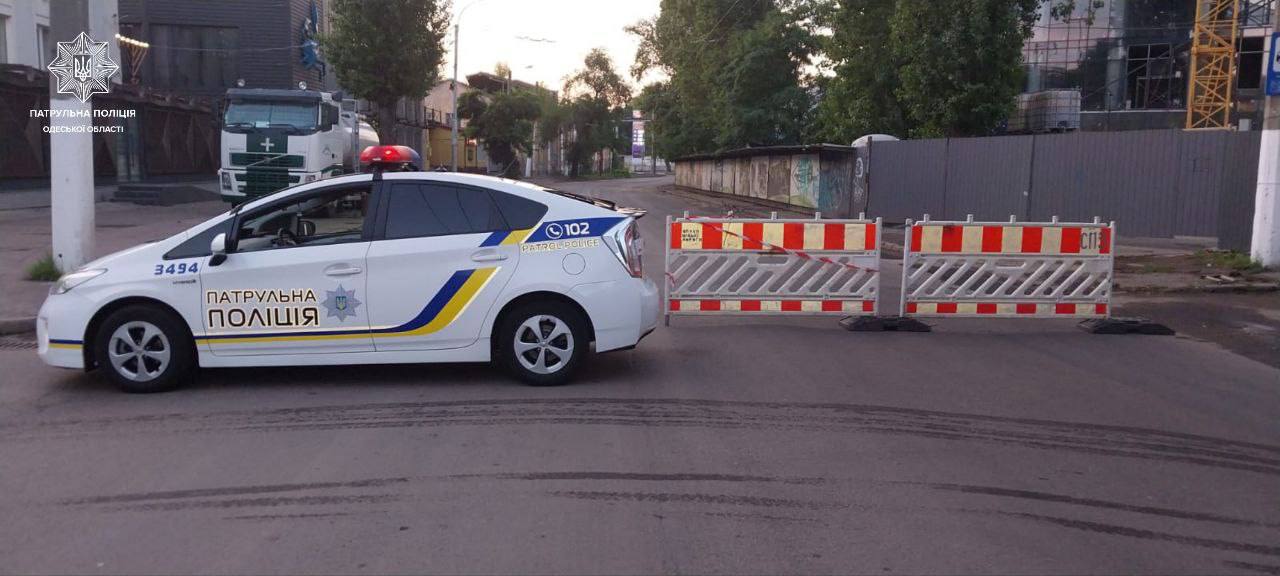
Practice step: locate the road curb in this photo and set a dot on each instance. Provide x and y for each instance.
(1228, 289)
(17, 325)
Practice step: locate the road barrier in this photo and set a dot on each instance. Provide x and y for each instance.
(772, 266)
(1007, 269)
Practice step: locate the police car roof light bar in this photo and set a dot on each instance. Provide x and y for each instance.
(393, 158)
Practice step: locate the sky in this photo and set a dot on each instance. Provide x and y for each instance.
(544, 40)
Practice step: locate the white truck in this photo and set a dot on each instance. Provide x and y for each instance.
(272, 139)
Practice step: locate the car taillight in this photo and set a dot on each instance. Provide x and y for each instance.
(631, 239)
(626, 244)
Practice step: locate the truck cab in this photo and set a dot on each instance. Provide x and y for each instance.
(273, 139)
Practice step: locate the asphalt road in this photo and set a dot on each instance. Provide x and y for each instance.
(719, 445)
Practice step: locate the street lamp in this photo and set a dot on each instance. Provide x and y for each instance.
(453, 139)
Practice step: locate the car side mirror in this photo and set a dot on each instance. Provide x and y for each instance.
(218, 249)
(329, 116)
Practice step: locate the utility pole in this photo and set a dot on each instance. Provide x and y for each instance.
(70, 151)
(1266, 208)
(453, 137)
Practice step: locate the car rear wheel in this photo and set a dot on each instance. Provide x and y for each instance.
(144, 349)
(542, 343)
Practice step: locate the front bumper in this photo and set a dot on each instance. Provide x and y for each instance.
(239, 185)
(60, 327)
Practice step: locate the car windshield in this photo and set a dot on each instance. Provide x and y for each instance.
(272, 114)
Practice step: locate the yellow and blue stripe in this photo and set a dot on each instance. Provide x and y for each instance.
(448, 303)
(66, 344)
(506, 237)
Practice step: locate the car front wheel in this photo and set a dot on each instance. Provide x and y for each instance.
(543, 343)
(144, 349)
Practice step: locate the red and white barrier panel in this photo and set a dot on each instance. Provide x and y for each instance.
(758, 266)
(936, 238)
(774, 236)
(1005, 309)
(845, 307)
(1016, 270)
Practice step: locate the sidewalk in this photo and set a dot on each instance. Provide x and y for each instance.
(39, 197)
(26, 233)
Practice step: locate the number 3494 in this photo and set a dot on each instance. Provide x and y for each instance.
(179, 268)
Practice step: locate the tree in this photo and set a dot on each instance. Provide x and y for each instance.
(960, 62)
(657, 100)
(862, 97)
(734, 72)
(596, 96)
(925, 68)
(503, 122)
(387, 53)
(599, 80)
(764, 100)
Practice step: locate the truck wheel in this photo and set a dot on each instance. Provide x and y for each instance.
(143, 349)
(542, 343)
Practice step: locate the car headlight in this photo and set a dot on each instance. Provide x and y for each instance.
(69, 281)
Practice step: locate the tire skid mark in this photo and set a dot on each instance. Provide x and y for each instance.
(764, 517)
(1259, 568)
(269, 517)
(697, 498)
(1092, 502)
(1117, 530)
(232, 491)
(640, 476)
(176, 505)
(1107, 440)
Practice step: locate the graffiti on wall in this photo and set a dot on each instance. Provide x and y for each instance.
(804, 181)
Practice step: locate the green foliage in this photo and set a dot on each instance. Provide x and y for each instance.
(610, 175)
(592, 111)
(735, 73)
(43, 270)
(960, 62)
(387, 53)
(503, 122)
(1229, 260)
(862, 97)
(599, 80)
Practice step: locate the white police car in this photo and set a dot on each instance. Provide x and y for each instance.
(389, 267)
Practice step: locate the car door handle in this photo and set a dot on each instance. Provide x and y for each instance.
(488, 256)
(342, 270)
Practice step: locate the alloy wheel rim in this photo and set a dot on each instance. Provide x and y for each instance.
(139, 351)
(543, 344)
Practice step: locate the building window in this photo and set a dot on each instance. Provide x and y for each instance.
(44, 46)
(1153, 81)
(194, 58)
(1250, 69)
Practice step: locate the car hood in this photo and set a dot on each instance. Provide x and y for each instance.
(107, 261)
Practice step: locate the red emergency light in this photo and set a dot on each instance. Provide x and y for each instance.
(390, 158)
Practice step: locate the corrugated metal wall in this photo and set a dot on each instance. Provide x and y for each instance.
(908, 179)
(1160, 183)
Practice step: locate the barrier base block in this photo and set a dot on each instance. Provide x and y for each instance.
(1125, 326)
(884, 324)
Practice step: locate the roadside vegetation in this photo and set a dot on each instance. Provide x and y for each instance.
(779, 72)
(43, 270)
(1230, 261)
